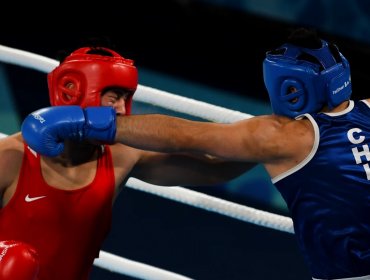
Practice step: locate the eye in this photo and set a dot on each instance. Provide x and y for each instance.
(126, 94)
(112, 99)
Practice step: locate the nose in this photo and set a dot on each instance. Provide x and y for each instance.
(120, 107)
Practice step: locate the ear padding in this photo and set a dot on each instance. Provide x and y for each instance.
(294, 100)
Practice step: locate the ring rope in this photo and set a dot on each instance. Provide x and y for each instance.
(217, 205)
(187, 105)
(134, 269)
(143, 94)
(27, 59)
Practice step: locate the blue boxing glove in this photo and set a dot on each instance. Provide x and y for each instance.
(46, 129)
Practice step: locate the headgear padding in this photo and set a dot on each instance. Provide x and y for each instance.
(91, 75)
(323, 81)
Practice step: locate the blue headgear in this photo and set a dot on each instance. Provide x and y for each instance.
(326, 82)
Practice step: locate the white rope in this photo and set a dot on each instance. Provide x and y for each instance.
(217, 205)
(187, 105)
(143, 94)
(27, 59)
(134, 269)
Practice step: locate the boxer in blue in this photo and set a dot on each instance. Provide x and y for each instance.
(315, 147)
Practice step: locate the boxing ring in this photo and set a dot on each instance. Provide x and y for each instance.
(179, 194)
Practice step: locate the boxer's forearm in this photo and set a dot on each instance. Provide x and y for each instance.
(162, 133)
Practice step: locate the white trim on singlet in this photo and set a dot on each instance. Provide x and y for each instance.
(315, 146)
(366, 102)
(351, 105)
(309, 156)
(366, 277)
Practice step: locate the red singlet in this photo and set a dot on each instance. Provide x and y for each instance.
(66, 228)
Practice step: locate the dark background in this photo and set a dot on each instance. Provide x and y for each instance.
(201, 42)
(214, 45)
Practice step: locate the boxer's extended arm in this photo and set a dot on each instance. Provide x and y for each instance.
(163, 133)
(263, 139)
(258, 139)
(46, 129)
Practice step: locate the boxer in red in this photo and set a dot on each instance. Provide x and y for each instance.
(62, 202)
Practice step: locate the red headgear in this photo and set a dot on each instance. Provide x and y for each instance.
(91, 74)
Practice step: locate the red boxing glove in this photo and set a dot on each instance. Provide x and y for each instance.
(18, 261)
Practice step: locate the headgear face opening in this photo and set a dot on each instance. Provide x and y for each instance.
(82, 77)
(297, 86)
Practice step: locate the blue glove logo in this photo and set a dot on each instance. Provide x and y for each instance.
(38, 117)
